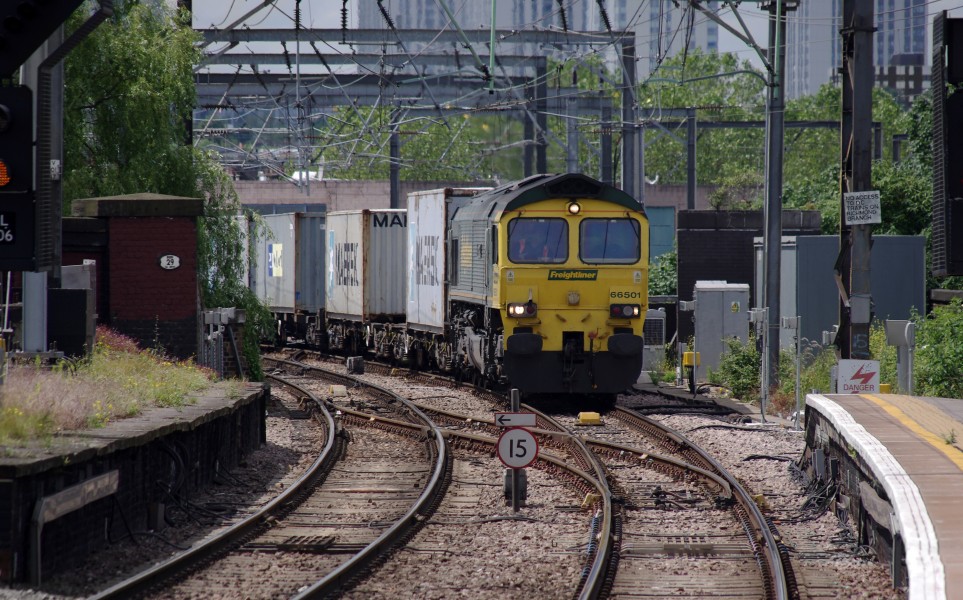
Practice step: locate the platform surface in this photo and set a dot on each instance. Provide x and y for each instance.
(914, 446)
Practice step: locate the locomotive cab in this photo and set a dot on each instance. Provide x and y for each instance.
(571, 290)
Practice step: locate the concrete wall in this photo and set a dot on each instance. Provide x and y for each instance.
(352, 195)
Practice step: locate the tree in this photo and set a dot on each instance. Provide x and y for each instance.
(720, 88)
(815, 150)
(129, 94)
(739, 191)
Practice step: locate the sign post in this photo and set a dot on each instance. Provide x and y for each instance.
(517, 447)
(862, 208)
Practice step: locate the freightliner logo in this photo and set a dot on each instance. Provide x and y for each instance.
(573, 274)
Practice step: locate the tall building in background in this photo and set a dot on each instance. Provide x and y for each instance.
(814, 47)
(813, 50)
(664, 28)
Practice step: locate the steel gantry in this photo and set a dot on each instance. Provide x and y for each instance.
(410, 82)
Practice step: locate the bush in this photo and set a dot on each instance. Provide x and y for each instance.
(939, 352)
(739, 369)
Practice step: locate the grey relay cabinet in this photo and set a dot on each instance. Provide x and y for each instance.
(720, 313)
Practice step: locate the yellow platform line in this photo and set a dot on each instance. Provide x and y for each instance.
(951, 452)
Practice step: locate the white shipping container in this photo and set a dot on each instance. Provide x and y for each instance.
(366, 264)
(427, 275)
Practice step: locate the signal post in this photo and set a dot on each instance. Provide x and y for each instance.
(17, 215)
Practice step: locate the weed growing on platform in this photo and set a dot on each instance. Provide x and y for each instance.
(118, 380)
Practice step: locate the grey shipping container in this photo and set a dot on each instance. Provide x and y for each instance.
(289, 275)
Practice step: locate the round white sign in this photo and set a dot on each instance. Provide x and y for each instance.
(517, 448)
(170, 261)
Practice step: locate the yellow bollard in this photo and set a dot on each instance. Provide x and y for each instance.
(885, 388)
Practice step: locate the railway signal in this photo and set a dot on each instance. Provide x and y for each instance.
(17, 214)
(16, 139)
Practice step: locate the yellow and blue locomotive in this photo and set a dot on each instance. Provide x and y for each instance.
(547, 286)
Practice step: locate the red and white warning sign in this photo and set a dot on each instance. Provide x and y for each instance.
(858, 377)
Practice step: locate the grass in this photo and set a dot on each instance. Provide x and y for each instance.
(118, 380)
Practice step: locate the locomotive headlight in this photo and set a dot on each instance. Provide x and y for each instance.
(522, 309)
(574, 208)
(625, 311)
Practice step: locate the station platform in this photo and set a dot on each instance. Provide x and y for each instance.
(897, 465)
(68, 495)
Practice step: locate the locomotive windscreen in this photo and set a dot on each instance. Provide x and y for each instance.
(610, 241)
(537, 240)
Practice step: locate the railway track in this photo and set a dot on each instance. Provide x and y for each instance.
(692, 530)
(673, 525)
(586, 474)
(305, 543)
(749, 542)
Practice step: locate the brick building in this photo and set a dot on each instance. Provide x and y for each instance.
(145, 246)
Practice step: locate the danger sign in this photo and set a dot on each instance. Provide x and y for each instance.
(862, 208)
(858, 377)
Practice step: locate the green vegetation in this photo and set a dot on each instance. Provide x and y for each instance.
(129, 95)
(118, 380)
(938, 362)
(739, 369)
(663, 274)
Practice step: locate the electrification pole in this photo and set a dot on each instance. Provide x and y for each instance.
(775, 133)
(852, 266)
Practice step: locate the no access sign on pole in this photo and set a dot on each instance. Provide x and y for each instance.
(862, 208)
(517, 448)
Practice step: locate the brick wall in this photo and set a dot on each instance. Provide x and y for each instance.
(148, 302)
(156, 306)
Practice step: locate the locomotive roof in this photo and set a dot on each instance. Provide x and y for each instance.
(541, 187)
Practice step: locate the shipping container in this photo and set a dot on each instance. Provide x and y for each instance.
(366, 265)
(427, 274)
(289, 274)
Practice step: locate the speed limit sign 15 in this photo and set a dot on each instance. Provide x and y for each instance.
(517, 448)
